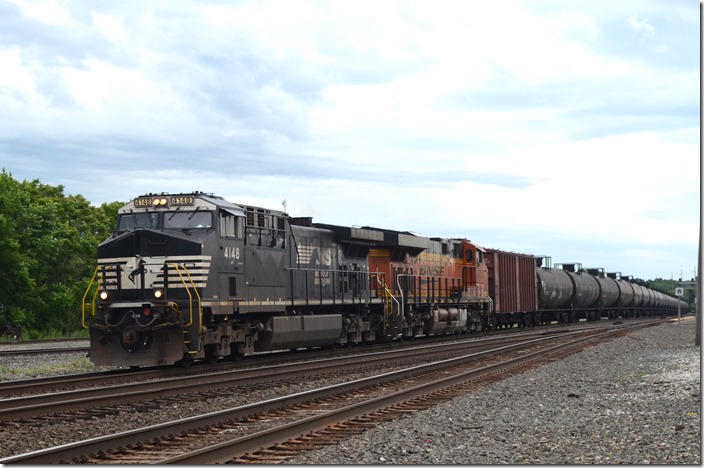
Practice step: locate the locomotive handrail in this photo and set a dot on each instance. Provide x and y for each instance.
(332, 283)
(177, 266)
(95, 295)
(83, 302)
(388, 297)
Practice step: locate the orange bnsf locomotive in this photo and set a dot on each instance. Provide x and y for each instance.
(192, 276)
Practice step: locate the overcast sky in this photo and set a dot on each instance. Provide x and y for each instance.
(561, 128)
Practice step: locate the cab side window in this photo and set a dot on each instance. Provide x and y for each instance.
(230, 225)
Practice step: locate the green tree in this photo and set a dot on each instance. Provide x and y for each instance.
(48, 242)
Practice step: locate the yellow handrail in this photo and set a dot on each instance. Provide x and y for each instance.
(177, 266)
(95, 295)
(388, 299)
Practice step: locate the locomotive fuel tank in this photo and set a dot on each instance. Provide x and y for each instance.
(300, 331)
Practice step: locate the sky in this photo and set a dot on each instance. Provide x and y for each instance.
(569, 129)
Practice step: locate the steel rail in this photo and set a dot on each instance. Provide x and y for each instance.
(239, 447)
(99, 444)
(20, 352)
(55, 383)
(60, 382)
(43, 404)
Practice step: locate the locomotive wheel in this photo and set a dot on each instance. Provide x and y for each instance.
(211, 356)
(186, 361)
(235, 354)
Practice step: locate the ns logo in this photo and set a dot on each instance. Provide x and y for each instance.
(313, 255)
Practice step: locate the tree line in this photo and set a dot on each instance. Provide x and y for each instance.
(48, 243)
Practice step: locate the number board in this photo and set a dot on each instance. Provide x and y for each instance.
(143, 202)
(147, 202)
(182, 201)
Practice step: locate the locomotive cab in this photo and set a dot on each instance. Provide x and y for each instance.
(151, 275)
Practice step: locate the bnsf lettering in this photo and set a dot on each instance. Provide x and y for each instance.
(431, 270)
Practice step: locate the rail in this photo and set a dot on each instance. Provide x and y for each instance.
(226, 450)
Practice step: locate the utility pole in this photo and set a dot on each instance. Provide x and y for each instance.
(697, 297)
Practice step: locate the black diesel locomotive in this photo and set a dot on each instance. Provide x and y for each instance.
(193, 276)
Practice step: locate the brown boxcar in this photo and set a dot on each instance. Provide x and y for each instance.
(513, 287)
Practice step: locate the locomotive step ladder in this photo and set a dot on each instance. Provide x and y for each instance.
(389, 300)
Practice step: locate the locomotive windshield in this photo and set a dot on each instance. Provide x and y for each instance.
(132, 221)
(186, 220)
(172, 220)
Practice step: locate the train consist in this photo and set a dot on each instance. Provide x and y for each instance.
(192, 276)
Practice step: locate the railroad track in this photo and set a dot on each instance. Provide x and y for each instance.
(64, 382)
(239, 434)
(111, 389)
(23, 352)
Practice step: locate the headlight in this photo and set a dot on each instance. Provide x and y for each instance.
(158, 294)
(103, 295)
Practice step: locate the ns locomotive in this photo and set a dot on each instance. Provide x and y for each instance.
(192, 276)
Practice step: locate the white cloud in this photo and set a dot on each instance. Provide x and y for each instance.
(641, 25)
(51, 12)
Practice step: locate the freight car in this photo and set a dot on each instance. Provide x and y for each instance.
(528, 291)
(192, 276)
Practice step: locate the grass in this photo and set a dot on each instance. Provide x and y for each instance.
(81, 364)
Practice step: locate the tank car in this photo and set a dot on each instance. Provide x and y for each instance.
(608, 294)
(566, 293)
(555, 290)
(572, 293)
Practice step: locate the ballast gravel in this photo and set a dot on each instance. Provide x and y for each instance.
(633, 400)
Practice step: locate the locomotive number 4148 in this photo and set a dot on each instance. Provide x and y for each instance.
(232, 253)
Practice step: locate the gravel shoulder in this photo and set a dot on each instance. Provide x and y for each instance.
(634, 400)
